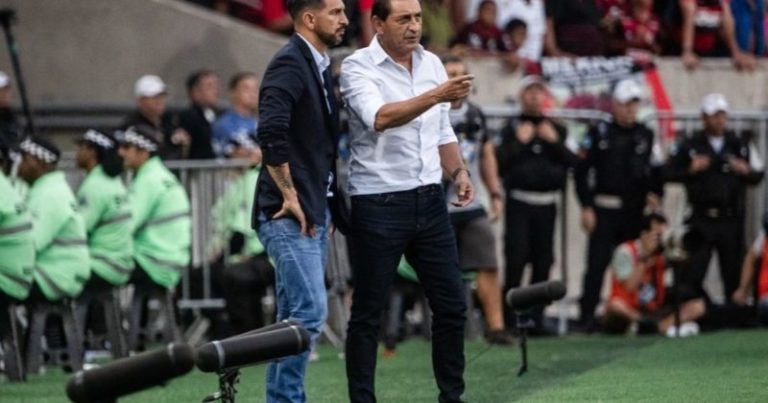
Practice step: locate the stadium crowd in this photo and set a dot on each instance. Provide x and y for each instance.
(60, 246)
(526, 30)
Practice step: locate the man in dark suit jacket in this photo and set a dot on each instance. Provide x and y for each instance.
(298, 136)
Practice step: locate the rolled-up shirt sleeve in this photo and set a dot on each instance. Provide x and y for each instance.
(281, 88)
(360, 92)
(447, 135)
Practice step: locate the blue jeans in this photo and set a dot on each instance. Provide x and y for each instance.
(386, 226)
(750, 31)
(300, 285)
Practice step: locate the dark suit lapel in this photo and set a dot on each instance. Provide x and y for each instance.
(330, 117)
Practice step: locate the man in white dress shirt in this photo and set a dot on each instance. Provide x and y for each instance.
(402, 147)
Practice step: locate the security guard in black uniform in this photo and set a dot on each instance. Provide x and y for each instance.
(617, 178)
(533, 161)
(716, 167)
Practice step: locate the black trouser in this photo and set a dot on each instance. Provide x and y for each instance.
(613, 227)
(384, 227)
(93, 317)
(726, 235)
(244, 284)
(6, 301)
(527, 239)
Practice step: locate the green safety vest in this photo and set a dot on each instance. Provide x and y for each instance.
(62, 264)
(107, 215)
(162, 227)
(17, 250)
(232, 213)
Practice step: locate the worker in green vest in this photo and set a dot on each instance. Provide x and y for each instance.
(17, 259)
(241, 266)
(17, 251)
(104, 206)
(161, 224)
(62, 264)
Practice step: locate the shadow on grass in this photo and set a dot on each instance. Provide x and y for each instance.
(493, 376)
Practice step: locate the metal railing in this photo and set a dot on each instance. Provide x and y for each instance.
(206, 180)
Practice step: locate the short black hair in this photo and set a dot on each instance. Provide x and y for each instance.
(193, 80)
(238, 77)
(486, 3)
(514, 24)
(295, 7)
(381, 9)
(652, 218)
(451, 59)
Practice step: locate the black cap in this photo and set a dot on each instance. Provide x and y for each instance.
(98, 139)
(41, 148)
(142, 136)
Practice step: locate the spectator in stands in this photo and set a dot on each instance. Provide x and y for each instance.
(573, 28)
(359, 31)
(532, 14)
(749, 19)
(151, 97)
(636, 31)
(161, 224)
(755, 259)
(716, 166)
(366, 27)
(437, 25)
(482, 36)
(612, 9)
(241, 263)
(515, 34)
(475, 238)
(268, 14)
(534, 162)
(196, 121)
(9, 127)
(638, 297)
(705, 28)
(62, 263)
(103, 201)
(240, 120)
(617, 179)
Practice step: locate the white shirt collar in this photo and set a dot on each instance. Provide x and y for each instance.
(380, 55)
(321, 59)
(717, 142)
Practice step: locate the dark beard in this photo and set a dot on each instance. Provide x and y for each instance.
(329, 39)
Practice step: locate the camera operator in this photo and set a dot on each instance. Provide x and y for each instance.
(638, 297)
(755, 260)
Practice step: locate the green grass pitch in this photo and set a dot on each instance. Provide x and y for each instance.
(727, 366)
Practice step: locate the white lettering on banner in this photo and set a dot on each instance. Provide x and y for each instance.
(579, 70)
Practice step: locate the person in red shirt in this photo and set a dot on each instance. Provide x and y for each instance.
(636, 31)
(707, 29)
(482, 36)
(269, 14)
(637, 293)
